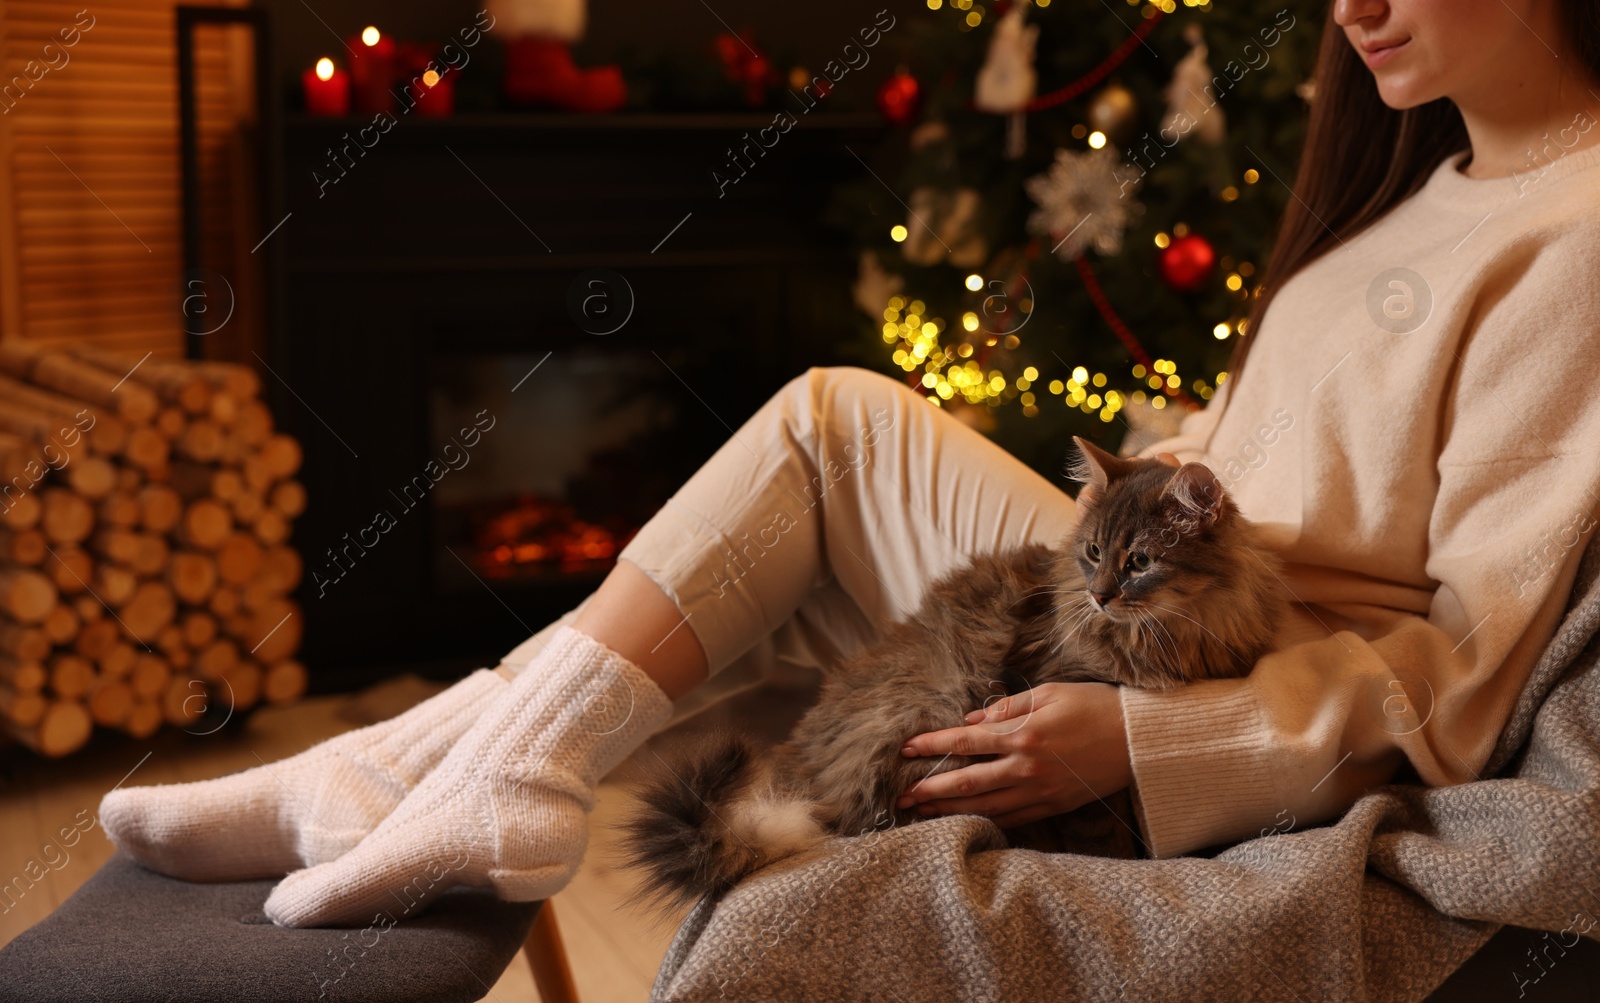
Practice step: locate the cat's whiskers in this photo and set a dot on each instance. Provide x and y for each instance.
(1156, 622)
(1059, 608)
(1080, 598)
(1081, 619)
(1041, 592)
(1046, 590)
(1145, 618)
(1202, 626)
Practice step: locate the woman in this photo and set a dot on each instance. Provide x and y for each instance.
(1418, 388)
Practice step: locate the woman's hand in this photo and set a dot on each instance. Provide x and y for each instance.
(1060, 745)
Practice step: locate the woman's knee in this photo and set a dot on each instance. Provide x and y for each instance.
(834, 419)
(852, 380)
(846, 402)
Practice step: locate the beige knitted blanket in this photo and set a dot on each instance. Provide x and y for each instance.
(1382, 905)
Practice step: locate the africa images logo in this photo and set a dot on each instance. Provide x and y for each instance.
(1399, 300)
(600, 301)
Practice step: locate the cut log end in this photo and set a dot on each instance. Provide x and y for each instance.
(284, 682)
(206, 524)
(63, 728)
(26, 595)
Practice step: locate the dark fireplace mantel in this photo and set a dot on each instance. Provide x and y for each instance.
(453, 239)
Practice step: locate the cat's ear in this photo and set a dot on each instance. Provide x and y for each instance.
(1096, 467)
(1196, 494)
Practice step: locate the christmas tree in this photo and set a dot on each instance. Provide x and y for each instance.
(1064, 234)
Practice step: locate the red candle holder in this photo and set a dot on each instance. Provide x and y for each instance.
(327, 89)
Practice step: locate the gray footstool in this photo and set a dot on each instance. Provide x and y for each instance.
(133, 935)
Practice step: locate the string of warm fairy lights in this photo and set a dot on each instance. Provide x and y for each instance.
(975, 12)
(957, 369)
(952, 370)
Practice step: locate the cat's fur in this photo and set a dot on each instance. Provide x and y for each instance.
(1205, 607)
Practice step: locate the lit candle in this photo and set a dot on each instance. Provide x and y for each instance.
(438, 97)
(327, 89)
(372, 71)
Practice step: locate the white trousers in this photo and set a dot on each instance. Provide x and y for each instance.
(824, 519)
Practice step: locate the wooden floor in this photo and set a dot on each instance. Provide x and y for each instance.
(614, 949)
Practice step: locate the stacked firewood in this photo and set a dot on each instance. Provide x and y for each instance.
(145, 570)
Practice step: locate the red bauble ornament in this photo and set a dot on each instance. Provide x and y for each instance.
(1187, 262)
(749, 68)
(899, 97)
(729, 49)
(757, 74)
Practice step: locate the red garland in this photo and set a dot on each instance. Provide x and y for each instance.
(1121, 330)
(1100, 72)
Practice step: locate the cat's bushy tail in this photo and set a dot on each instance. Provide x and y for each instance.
(709, 814)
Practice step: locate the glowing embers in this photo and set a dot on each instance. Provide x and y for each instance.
(539, 535)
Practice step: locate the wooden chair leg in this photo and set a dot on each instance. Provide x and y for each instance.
(547, 956)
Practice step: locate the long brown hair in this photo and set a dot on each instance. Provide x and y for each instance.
(1362, 158)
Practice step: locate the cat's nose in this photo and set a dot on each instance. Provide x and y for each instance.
(1101, 598)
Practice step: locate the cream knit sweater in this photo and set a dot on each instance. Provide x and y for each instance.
(1423, 449)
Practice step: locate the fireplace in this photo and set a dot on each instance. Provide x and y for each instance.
(507, 518)
(421, 309)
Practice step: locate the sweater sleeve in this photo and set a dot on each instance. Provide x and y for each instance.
(1355, 689)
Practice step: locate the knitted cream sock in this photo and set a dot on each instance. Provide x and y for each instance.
(505, 809)
(304, 810)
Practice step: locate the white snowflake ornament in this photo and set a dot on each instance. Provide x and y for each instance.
(1085, 200)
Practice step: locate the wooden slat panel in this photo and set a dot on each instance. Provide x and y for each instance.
(123, 336)
(144, 302)
(93, 217)
(135, 57)
(103, 250)
(89, 148)
(154, 86)
(142, 68)
(125, 11)
(157, 327)
(88, 153)
(18, 53)
(136, 252)
(148, 35)
(100, 282)
(29, 24)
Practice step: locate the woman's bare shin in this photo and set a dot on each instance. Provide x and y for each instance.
(632, 616)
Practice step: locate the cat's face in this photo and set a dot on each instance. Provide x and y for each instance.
(1163, 581)
(1151, 538)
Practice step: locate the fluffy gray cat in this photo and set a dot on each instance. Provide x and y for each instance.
(1162, 582)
